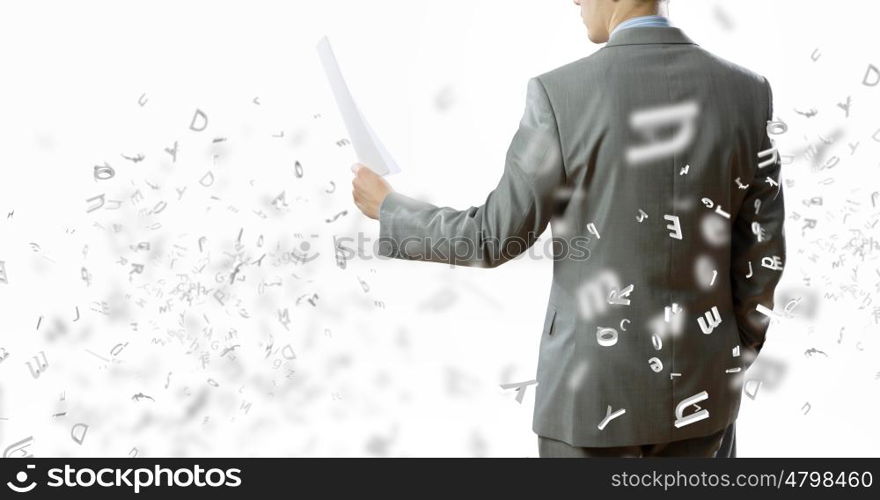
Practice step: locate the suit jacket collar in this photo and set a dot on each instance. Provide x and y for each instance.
(649, 35)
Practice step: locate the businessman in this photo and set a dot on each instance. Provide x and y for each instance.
(657, 152)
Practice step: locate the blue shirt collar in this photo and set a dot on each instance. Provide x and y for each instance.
(642, 22)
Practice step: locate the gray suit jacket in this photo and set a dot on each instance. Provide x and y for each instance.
(651, 161)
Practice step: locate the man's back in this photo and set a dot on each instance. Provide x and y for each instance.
(660, 145)
(657, 152)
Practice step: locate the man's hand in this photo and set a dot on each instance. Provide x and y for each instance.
(369, 190)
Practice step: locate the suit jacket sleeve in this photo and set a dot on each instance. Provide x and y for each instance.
(762, 210)
(513, 216)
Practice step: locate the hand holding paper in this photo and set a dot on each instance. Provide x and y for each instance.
(369, 190)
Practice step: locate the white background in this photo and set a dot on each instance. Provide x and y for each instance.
(443, 83)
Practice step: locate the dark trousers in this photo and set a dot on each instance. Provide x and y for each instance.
(703, 446)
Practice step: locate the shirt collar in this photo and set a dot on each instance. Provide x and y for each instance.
(644, 35)
(642, 21)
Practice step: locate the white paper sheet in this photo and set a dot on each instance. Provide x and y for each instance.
(369, 149)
